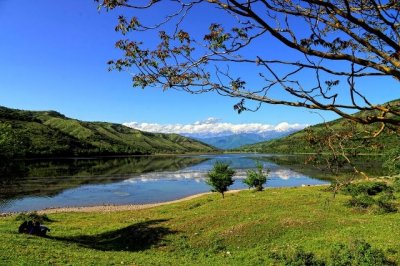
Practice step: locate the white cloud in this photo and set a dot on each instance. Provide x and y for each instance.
(215, 127)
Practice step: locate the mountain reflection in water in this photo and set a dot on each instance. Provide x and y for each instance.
(27, 185)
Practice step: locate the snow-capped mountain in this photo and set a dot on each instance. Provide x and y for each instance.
(221, 134)
(238, 140)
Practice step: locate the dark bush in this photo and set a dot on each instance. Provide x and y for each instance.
(362, 201)
(385, 204)
(375, 195)
(367, 188)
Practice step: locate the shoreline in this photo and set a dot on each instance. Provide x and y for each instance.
(111, 208)
(131, 207)
(125, 207)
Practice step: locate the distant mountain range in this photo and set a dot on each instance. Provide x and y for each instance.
(49, 133)
(237, 140)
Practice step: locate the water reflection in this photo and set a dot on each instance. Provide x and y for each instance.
(33, 185)
(286, 174)
(50, 177)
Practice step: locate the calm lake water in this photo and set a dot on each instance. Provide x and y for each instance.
(39, 184)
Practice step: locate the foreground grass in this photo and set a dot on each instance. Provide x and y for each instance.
(241, 229)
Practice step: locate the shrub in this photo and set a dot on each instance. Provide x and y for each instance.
(220, 177)
(256, 179)
(363, 202)
(367, 188)
(385, 204)
(358, 252)
(376, 195)
(297, 258)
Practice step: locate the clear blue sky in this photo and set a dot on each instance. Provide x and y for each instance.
(53, 55)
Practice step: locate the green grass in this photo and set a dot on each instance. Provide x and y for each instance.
(241, 229)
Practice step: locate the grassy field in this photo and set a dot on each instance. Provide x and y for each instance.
(242, 229)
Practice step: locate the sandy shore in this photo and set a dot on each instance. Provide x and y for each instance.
(130, 207)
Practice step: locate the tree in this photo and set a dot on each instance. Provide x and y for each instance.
(220, 177)
(256, 179)
(335, 42)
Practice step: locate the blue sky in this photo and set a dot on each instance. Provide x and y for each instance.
(53, 55)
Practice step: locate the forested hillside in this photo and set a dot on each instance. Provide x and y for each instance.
(353, 137)
(49, 133)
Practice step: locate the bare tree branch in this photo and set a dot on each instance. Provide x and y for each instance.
(337, 42)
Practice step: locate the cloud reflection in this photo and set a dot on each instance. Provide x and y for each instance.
(200, 176)
(286, 174)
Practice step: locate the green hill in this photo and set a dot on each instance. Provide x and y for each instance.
(49, 133)
(354, 137)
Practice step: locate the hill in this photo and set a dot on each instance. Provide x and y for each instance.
(49, 133)
(354, 137)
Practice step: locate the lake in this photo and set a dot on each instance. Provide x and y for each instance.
(28, 185)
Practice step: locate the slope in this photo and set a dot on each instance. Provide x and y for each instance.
(49, 133)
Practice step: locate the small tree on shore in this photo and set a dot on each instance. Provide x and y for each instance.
(220, 177)
(257, 179)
